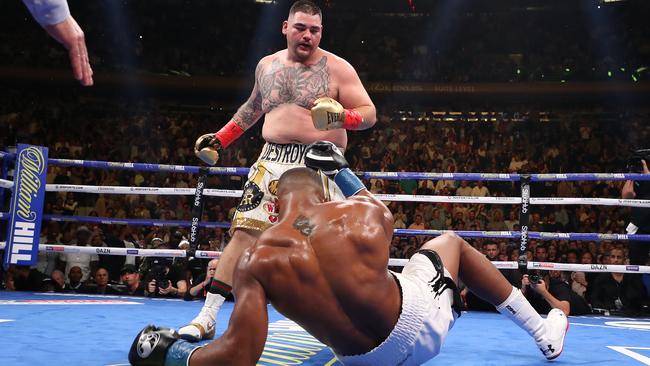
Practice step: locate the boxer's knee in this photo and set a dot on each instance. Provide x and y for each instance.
(448, 241)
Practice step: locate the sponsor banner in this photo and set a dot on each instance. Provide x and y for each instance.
(26, 207)
(132, 252)
(119, 165)
(203, 254)
(632, 268)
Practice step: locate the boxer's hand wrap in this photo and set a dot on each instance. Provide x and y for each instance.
(208, 146)
(155, 346)
(326, 157)
(328, 114)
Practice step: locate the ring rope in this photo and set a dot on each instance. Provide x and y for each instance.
(513, 177)
(6, 184)
(539, 235)
(177, 253)
(384, 197)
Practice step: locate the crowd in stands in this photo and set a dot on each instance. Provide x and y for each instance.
(469, 41)
(567, 141)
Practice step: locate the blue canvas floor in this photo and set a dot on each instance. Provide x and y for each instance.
(56, 329)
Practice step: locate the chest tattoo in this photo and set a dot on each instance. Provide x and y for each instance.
(301, 85)
(303, 225)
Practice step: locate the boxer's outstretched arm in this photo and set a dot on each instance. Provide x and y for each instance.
(243, 341)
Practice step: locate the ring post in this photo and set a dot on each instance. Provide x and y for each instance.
(197, 211)
(524, 216)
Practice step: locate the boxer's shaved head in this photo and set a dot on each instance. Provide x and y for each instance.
(297, 179)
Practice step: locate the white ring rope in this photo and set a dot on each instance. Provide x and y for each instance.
(6, 184)
(177, 253)
(384, 197)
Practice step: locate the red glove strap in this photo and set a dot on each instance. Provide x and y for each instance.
(352, 119)
(229, 133)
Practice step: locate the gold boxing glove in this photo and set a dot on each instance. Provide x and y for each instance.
(207, 148)
(328, 114)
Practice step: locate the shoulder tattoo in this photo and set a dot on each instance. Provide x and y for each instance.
(303, 225)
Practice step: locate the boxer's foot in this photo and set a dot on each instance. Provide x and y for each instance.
(556, 325)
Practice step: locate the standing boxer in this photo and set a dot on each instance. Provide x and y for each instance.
(306, 94)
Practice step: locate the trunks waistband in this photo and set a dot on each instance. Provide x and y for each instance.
(283, 153)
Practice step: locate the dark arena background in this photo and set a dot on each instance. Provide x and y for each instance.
(471, 97)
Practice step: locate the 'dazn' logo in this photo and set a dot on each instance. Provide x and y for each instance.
(273, 187)
(251, 198)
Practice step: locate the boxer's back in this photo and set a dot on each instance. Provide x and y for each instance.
(325, 268)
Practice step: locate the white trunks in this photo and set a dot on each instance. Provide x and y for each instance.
(426, 318)
(257, 209)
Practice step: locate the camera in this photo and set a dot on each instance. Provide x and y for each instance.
(535, 277)
(159, 274)
(634, 164)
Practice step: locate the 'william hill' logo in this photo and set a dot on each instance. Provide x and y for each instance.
(31, 167)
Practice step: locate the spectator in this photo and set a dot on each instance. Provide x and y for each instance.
(131, 278)
(198, 288)
(24, 278)
(101, 285)
(464, 189)
(58, 279)
(74, 283)
(541, 254)
(640, 219)
(480, 190)
(550, 291)
(620, 292)
(164, 280)
(86, 262)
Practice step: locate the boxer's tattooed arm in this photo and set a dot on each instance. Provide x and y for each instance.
(303, 225)
(251, 111)
(299, 85)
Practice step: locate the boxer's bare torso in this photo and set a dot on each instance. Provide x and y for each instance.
(288, 90)
(325, 268)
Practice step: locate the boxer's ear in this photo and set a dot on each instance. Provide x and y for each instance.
(285, 26)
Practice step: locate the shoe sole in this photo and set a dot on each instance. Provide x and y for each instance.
(566, 330)
(203, 334)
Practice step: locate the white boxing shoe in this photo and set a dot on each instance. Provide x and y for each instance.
(556, 325)
(202, 327)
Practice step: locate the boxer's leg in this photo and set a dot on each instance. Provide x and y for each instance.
(203, 326)
(485, 280)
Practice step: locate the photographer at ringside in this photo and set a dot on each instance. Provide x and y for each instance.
(199, 286)
(164, 279)
(640, 217)
(546, 290)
